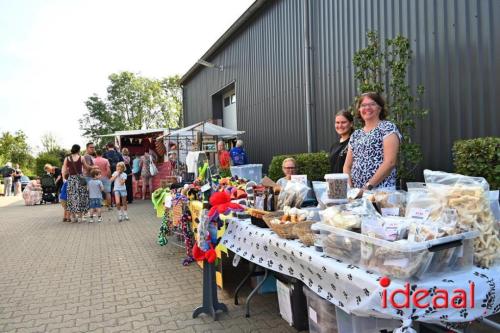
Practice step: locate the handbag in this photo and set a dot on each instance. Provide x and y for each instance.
(81, 180)
(152, 167)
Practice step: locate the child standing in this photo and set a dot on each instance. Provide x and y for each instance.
(120, 177)
(95, 194)
(63, 197)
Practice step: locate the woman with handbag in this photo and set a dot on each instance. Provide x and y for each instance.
(148, 169)
(78, 194)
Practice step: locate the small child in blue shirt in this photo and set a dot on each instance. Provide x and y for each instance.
(63, 198)
(95, 187)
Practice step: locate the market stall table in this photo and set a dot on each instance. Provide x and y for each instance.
(358, 291)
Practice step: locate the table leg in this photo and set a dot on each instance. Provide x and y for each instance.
(249, 298)
(252, 268)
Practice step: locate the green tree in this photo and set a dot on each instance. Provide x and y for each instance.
(14, 148)
(376, 65)
(133, 102)
(49, 142)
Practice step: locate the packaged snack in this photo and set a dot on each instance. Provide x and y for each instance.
(390, 228)
(423, 204)
(293, 195)
(469, 197)
(337, 186)
(390, 203)
(349, 215)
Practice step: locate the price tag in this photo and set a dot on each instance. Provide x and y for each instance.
(402, 262)
(205, 187)
(419, 213)
(393, 211)
(236, 260)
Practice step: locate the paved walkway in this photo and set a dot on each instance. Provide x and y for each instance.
(107, 277)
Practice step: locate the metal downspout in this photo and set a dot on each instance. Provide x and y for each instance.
(307, 74)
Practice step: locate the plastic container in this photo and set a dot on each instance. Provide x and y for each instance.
(324, 317)
(321, 313)
(349, 323)
(400, 259)
(248, 171)
(337, 187)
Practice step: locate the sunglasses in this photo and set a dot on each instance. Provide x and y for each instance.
(289, 168)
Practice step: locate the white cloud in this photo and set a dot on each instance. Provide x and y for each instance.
(64, 51)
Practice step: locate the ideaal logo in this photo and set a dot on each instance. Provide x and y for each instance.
(422, 298)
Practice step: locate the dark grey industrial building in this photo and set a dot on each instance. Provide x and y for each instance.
(287, 67)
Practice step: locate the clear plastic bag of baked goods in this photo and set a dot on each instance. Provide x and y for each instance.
(293, 195)
(389, 228)
(422, 204)
(348, 216)
(469, 196)
(319, 189)
(390, 203)
(454, 179)
(495, 206)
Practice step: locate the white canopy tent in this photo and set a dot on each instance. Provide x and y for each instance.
(206, 129)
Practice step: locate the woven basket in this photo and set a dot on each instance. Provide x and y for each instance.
(304, 232)
(282, 230)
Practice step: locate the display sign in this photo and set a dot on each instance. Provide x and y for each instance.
(209, 146)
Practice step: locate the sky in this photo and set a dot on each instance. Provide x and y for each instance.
(54, 54)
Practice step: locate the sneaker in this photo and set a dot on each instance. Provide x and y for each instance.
(126, 217)
(91, 219)
(120, 218)
(99, 219)
(83, 219)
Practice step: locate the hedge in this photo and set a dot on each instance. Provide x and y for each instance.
(43, 159)
(479, 157)
(314, 165)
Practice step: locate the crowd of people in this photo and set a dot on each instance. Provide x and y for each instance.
(11, 179)
(85, 182)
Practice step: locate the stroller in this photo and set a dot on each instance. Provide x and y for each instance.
(48, 188)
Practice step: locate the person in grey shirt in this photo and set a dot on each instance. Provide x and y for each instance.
(95, 187)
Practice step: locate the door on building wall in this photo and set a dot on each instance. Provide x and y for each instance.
(229, 110)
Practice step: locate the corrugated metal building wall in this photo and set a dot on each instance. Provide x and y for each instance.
(456, 46)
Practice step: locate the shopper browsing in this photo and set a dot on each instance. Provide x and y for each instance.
(96, 188)
(238, 154)
(119, 179)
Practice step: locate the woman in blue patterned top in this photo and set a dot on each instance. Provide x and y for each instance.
(373, 149)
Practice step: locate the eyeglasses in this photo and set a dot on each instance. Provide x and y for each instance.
(368, 105)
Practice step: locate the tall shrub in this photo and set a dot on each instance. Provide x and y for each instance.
(383, 69)
(479, 157)
(314, 165)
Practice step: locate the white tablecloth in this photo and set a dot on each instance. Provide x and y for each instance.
(354, 289)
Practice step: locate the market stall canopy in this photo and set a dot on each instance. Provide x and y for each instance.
(137, 132)
(205, 128)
